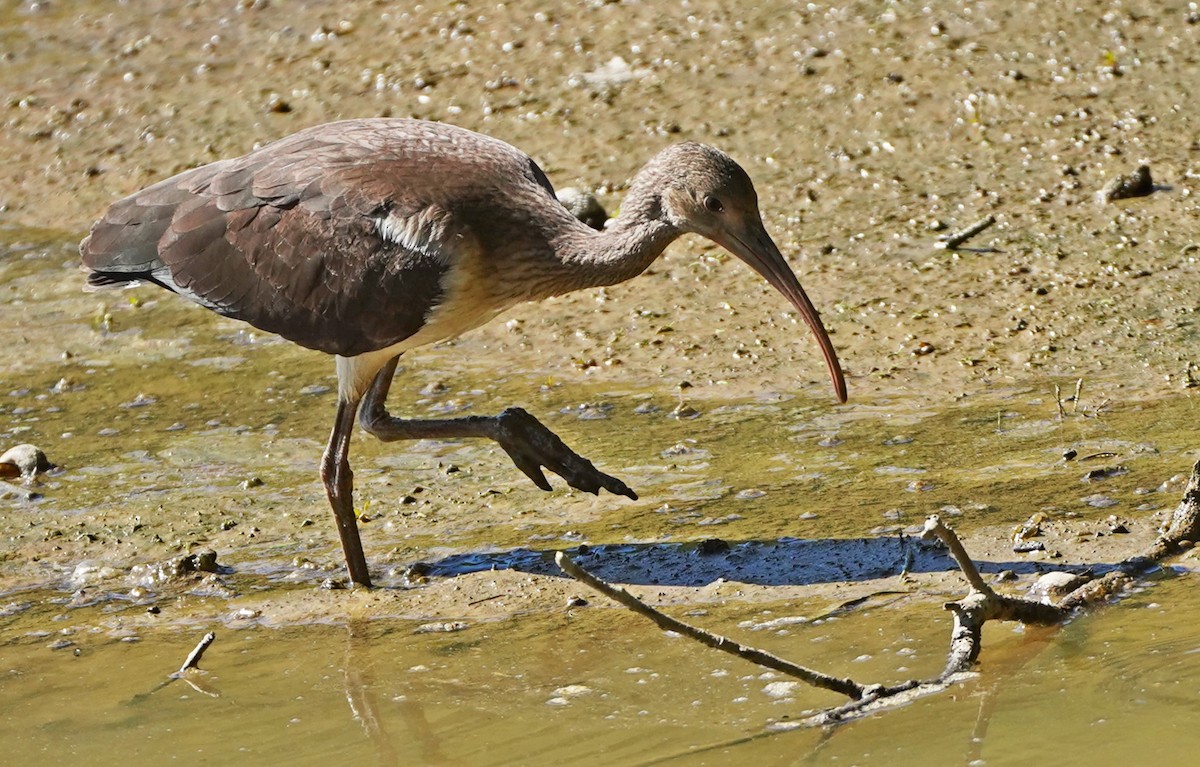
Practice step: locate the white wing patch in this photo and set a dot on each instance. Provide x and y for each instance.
(426, 233)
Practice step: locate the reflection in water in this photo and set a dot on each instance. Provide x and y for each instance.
(363, 700)
(1005, 663)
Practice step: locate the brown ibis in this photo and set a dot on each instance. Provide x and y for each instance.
(366, 238)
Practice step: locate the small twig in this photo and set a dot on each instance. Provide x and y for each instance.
(955, 240)
(906, 556)
(847, 687)
(1062, 414)
(850, 604)
(1078, 395)
(193, 658)
(192, 663)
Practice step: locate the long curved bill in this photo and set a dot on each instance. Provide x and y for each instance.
(758, 250)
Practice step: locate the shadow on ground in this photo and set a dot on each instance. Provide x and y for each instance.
(782, 562)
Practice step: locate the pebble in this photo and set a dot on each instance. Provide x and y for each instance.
(573, 691)
(1105, 473)
(682, 448)
(141, 400)
(1056, 584)
(684, 411)
(448, 627)
(26, 461)
(1136, 184)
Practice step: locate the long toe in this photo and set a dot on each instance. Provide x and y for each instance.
(581, 474)
(531, 446)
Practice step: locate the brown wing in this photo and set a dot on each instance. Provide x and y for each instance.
(336, 238)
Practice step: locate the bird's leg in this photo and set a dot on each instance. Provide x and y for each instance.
(339, 488)
(528, 443)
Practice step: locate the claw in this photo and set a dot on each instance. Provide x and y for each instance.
(531, 446)
(617, 487)
(530, 468)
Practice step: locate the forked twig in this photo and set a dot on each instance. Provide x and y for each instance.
(980, 605)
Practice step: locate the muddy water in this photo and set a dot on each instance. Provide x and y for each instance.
(598, 687)
(869, 131)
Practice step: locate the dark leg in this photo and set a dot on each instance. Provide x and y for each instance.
(528, 443)
(339, 488)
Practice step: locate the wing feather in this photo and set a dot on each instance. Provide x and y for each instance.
(340, 238)
(286, 239)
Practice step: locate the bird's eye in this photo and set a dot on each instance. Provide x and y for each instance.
(713, 204)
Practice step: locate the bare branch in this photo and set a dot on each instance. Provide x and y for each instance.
(847, 687)
(1185, 521)
(883, 698)
(970, 613)
(1184, 526)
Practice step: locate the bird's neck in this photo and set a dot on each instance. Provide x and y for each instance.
(627, 246)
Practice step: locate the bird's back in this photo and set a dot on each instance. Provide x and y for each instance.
(339, 237)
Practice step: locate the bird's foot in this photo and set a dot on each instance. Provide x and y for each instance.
(531, 446)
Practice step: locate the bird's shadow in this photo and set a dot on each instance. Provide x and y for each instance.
(780, 562)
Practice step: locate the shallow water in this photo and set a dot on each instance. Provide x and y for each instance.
(599, 686)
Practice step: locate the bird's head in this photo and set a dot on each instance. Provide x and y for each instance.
(702, 190)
